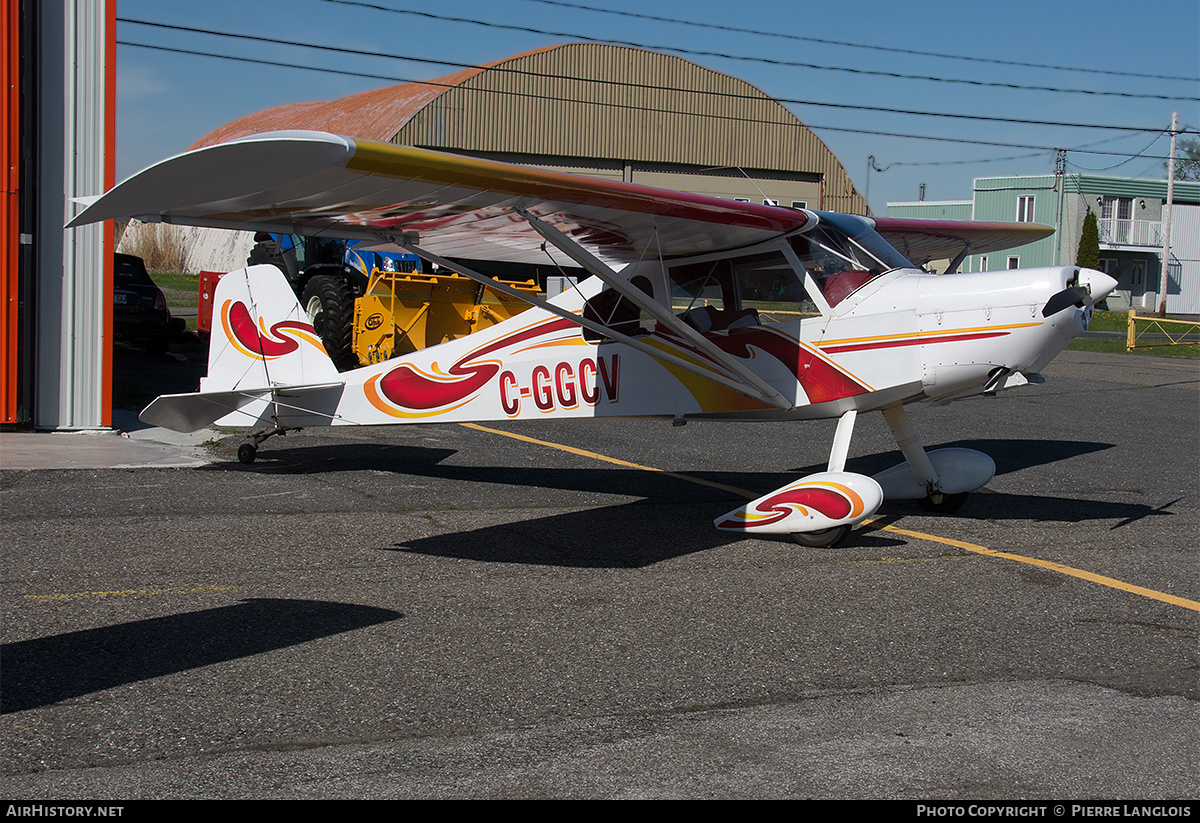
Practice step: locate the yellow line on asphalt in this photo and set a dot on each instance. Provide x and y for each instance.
(131, 592)
(971, 547)
(614, 460)
(1048, 564)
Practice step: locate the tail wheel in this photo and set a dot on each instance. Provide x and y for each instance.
(329, 304)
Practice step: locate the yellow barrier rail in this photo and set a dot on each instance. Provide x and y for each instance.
(1175, 332)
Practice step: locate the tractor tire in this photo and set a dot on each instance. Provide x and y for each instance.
(329, 303)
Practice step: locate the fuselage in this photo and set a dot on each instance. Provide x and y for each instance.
(908, 336)
(806, 326)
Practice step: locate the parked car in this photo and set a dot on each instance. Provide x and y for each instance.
(140, 313)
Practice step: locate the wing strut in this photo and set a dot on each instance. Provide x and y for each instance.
(958, 258)
(643, 301)
(741, 388)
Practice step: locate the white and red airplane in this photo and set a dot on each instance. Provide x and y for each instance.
(697, 307)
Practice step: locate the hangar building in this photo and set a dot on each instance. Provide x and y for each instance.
(602, 110)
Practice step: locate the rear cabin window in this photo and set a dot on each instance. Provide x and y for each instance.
(611, 309)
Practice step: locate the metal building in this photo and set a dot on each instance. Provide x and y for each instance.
(601, 110)
(56, 284)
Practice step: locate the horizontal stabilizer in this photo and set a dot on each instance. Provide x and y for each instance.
(192, 412)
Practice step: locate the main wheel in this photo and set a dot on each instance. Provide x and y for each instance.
(824, 539)
(943, 503)
(329, 304)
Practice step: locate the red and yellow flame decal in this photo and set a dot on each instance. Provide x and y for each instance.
(834, 501)
(258, 342)
(406, 391)
(821, 379)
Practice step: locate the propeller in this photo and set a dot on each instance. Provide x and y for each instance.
(1070, 296)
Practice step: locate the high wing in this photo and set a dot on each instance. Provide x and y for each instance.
(313, 183)
(922, 240)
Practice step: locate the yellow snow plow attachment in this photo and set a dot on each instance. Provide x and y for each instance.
(403, 312)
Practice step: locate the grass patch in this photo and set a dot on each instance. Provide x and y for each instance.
(1108, 321)
(181, 290)
(1118, 347)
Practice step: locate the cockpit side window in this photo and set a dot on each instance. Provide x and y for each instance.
(735, 292)
(768, 283)
(697, 285)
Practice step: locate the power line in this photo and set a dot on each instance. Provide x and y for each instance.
(848, 44)
(847, 106)
(657, 109)
(959, 162)
(1077, 150)
(767, 60)
(1129, 159)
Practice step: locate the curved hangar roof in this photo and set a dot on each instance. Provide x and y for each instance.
(596, 109)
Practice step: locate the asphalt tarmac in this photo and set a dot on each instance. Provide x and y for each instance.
(452, 612)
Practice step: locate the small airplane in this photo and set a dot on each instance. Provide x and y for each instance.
(696, 308)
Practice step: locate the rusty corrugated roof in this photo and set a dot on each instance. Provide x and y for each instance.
(374, 115)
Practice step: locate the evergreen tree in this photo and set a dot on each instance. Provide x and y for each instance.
(1088, 255)
(1187, 163)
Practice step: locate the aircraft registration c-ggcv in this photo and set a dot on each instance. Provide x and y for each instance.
(680, 318)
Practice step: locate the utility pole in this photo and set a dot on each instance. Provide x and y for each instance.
(1060, 185)
(1166, 253)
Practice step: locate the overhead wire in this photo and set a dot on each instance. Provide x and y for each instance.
(765, 60)
(624, 106)
(646, 86)
(866, 46)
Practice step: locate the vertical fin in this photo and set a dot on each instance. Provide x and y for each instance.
(261, 338)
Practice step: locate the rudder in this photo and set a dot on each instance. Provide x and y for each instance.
(261, 338)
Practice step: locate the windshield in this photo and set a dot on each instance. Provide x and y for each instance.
(843, 253)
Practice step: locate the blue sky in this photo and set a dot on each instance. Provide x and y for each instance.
(166, 100)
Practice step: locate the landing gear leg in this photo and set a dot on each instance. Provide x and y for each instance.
(942, 478)
(828, 538)
(910, 445)
(918, 461)
(248, 451)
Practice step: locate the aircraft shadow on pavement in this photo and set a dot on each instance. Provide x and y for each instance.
(646, 532)
(1009, 455)
(628, 536)
(51, 669)
(423, 461)
(672, 516)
